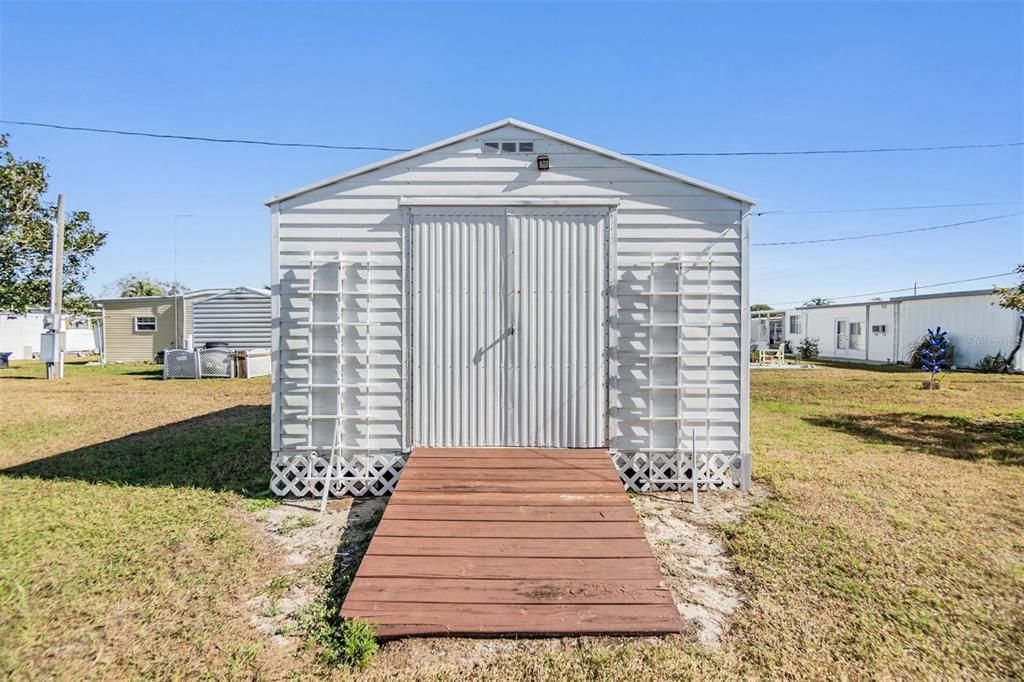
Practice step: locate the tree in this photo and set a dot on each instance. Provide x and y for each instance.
(26, 235)
(1012, 298)
(759, 306)
(142, 287)
(141, 284)
(818, 300)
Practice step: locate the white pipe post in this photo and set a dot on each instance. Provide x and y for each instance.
(55, 369)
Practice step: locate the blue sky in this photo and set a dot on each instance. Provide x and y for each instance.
(629, 77)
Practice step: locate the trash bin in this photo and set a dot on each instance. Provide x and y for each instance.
(4, 358)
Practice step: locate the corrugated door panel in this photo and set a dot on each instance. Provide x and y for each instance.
(458, 329)
(556, 388)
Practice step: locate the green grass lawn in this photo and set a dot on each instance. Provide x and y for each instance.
(892, 544)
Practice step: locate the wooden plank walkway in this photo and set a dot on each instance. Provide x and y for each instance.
(507, 542)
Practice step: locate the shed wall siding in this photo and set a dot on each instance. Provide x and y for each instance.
(362, 214)
(239, 318)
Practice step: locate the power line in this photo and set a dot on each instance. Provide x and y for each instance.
(884, 208)
(201, 138)
(896, 291)
(889, 234)
(800, 152)
(311, 145)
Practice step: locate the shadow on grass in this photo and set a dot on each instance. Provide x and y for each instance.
(882, 368)
(224, 450)
(998, 439)
(364, 517)
(321, 623)
(155, 373)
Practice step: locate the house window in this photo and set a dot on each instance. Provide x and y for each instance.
(507, 147)
(857, 335)
(145, 323)
(794, 324)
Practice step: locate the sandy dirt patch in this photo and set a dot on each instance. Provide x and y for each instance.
(688, 544)
(309, 543)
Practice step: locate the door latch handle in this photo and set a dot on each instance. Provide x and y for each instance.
(511, 331)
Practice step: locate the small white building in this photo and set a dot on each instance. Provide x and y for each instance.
(889, 331)
(20, 334)
(509, 286)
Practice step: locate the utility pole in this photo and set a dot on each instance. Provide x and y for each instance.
(53, 341)
(177, 218)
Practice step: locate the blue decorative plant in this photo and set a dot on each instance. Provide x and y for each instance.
(934, 352)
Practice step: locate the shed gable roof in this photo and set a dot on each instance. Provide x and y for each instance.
(265, 293)
(511, 122)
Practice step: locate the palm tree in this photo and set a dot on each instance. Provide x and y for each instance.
(142, 287)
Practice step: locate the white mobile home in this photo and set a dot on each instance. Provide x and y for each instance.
(509, 286)
(889, 331)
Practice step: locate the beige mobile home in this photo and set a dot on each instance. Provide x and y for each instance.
(136, 329)
(509, 287)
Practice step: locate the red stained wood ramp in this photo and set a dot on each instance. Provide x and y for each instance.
(510, 542)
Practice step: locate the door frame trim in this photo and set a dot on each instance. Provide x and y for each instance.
(836, 335)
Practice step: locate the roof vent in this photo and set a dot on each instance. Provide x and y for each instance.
(507, 147)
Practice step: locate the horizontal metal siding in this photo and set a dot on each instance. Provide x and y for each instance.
(240, 320)
(458, 330)
(363, 213)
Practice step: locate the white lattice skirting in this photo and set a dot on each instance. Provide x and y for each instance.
(358, 475)
(377, 474)
(662, 471)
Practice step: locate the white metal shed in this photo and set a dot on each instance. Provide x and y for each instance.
(239, 317)
(509, 286)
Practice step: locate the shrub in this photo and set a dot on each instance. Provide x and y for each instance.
(807, 348)
(993, 363)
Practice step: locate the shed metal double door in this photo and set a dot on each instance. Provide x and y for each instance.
(509, 320)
